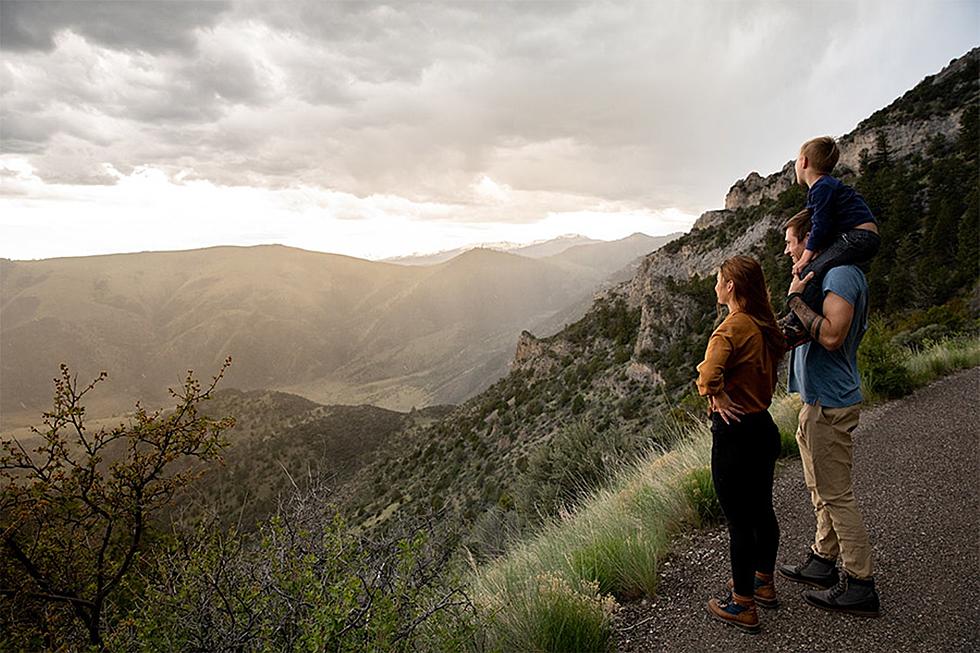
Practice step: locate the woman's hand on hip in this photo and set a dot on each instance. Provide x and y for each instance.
(723, 405)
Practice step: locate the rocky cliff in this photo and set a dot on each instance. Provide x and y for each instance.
(665, 285)
(907, 132)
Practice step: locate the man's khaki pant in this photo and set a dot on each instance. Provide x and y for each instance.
(824, 437)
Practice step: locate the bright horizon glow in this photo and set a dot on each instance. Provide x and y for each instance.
(148, 207)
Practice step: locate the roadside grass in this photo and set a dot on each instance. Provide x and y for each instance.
(938, 359)
(558, 590)
(608, 547)
(785, 410)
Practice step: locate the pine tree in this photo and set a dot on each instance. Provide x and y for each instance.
(881, 158)
(968, 240)
(902, 282)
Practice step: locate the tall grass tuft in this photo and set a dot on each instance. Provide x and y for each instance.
(699, 488)
(546, 612)
(937, 359)
(785, 411)
(610, 546)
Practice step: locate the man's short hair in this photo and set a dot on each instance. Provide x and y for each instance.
(822, 153)
(799, 224)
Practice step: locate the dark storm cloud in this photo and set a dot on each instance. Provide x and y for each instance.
(25, 134)
(399, 42)
(194, 90)
(660, 104)
(106, 96)
(160, 25)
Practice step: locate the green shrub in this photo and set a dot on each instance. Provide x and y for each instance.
(882, 364)
(699, 490)
(623, 354)
(921, 337)
(580, 457)
(631, 406)
(299, 585)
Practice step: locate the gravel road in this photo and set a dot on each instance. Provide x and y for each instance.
(916, 476)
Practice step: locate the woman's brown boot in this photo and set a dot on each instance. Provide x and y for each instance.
(737, 610)
(764, 591)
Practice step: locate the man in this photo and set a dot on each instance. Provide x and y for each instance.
(824, 372)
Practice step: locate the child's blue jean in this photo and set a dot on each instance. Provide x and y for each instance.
(853, 247)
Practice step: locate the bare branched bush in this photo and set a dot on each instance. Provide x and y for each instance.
(304, 581)
(76, 510)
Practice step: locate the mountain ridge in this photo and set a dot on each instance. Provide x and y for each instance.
(335, 328)
(533, 250)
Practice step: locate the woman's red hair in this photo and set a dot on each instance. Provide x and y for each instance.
(752, 294)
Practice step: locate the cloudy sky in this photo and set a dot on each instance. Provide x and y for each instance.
(375, 130)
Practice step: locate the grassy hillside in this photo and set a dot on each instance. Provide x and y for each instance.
(282, 443)
(557, 590)
(496, 460)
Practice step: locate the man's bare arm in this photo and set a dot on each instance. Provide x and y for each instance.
(829, 329)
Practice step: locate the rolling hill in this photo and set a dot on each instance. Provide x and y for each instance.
(331, 328)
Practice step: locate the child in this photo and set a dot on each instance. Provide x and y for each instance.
(843, 231)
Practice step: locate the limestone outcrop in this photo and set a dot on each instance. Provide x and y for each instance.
(907, 126)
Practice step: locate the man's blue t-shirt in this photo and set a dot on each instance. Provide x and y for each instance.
(831, 377)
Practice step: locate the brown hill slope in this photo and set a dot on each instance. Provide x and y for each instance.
(148, 317)
(281, 440)
(332, 328)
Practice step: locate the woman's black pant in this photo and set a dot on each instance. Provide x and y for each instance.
(743, 459)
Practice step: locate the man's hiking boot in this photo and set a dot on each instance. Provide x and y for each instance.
(851, 595)
(814, 571)
(736, 610)
(793, 330)
(764, 592)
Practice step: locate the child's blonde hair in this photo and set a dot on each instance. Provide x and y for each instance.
(822, 153)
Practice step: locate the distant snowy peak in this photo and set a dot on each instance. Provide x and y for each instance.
(536, 249)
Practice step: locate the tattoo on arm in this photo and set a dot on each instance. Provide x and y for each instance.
(812, 321)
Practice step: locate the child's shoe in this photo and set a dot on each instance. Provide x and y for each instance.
(736, 610)
(793, 330)
(764, 591)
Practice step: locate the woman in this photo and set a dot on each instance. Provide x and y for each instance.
(738, 376)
